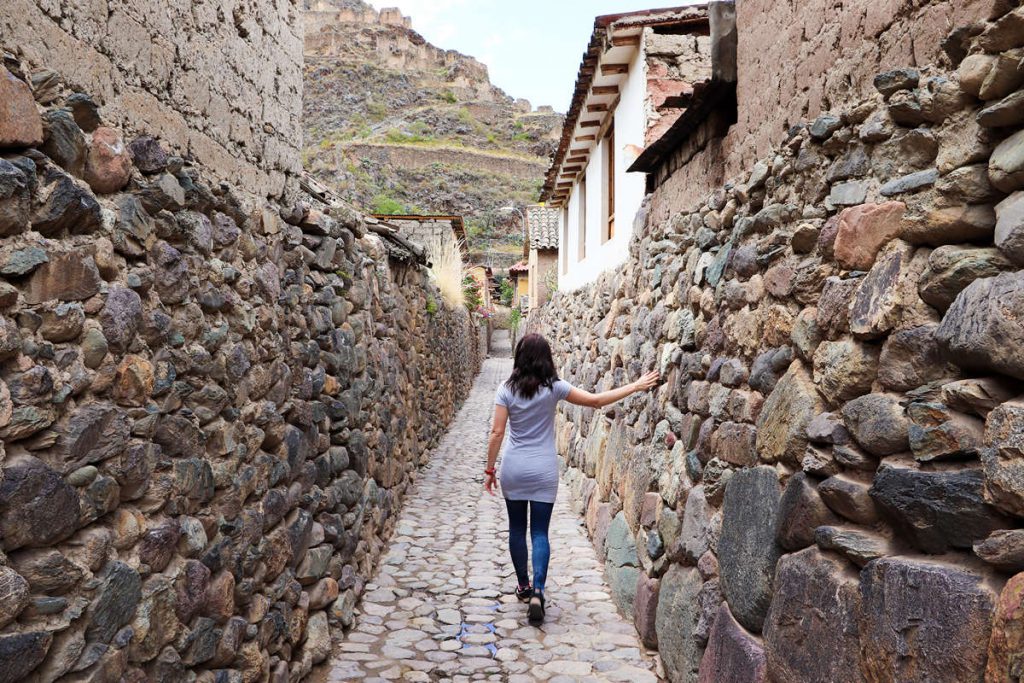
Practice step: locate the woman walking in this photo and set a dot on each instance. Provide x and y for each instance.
(529, 469)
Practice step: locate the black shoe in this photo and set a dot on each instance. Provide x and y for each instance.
(524, 594)
(535, 612)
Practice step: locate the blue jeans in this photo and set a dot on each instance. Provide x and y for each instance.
(540, 518)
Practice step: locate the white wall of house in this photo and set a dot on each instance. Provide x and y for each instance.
(601, 253)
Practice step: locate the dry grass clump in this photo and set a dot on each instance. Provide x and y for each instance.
(446, 270)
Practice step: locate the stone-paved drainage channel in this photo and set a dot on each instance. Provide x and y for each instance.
(439, 608)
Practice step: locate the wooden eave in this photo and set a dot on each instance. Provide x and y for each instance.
(613, 47)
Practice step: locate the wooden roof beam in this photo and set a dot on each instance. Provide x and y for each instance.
(605, 90)
(614, 69)
(622, 41)
(597, 106)
(594, 123)
(581, 138)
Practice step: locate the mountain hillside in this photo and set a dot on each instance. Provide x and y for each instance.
(398, 125)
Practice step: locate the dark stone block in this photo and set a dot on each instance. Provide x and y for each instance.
(937, 510)
(20, 653)
(982, 331)
(924, 622)
(115, 602)
(747, 551)
(37, 508)
(732, 654)
(894, 80)
(801, 511)
(68, 206)
(677, 617)
(810, 633)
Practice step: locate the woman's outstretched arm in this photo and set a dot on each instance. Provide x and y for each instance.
(494, 445)
(585, 398)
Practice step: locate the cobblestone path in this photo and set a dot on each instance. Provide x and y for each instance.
(439, 608)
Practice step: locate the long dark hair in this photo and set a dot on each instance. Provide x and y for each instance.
(533, 367)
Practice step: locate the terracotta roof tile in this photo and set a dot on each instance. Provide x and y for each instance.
(542, 223)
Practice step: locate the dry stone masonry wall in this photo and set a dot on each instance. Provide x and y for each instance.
(208, 414)
(216, 81)
(799, 58)
(828, 484)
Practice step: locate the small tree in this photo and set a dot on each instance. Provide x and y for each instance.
(551, 280)
(507, 292)
(514, 319)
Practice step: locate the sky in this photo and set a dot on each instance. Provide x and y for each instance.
(532, 48)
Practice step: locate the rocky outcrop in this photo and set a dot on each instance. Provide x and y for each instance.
(208, 414)
(837, 436)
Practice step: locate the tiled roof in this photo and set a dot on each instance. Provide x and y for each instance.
(520, 267)
(600, 42)
(542, 223)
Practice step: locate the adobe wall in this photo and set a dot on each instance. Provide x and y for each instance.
(796, 59)
(217, 82)
(827, 484)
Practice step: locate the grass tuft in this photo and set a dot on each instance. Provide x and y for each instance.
(446, 270)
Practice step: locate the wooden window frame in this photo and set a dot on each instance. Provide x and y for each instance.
(565, 239)
(608, 229)
(581, 246)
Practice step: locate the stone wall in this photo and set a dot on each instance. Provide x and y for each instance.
(413, 157)
(827, 484)
(674, 62)
(208, 415)
(218, 82)
(425, 231)
(798, 58)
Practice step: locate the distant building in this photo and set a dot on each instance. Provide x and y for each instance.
(639, 76)
(482, 277)
(541, 252)
(519, 274)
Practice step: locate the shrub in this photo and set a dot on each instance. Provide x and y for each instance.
(446, 270)
(378, 110)
(431, 306)
(514, 319)
(382, 203)
(471, 293)
(507, 292)
(449, 97)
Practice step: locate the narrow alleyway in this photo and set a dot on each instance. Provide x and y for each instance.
(439, 607)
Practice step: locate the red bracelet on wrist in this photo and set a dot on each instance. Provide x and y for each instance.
(490, 471)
